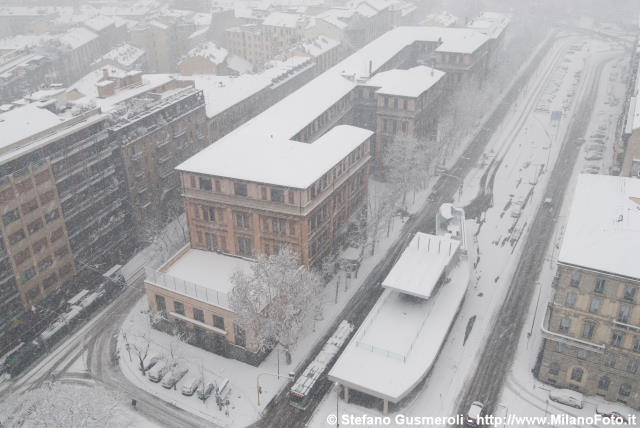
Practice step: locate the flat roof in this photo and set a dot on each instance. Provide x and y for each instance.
(285, 119)
(421, 264)
(23, 122)
(406, 83)
(280, 162)
(399, 341)
(603, 229)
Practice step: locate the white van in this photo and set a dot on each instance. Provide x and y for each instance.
(174, 376)
(190, 385)
(567, 396)
(158, 371)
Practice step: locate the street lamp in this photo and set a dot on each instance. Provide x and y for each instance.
(337, 401)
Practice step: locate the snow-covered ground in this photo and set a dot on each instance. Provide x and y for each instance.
(524, 148)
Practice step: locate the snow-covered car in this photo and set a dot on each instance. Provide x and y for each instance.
(595, 148)
(171, 378)
(190, 385)
(151, 361)
(516, 211)
(567, 396)
(593, 156)
(613, 412)
(158, 371)
(476, 411)
(204, 394)
(591, 169)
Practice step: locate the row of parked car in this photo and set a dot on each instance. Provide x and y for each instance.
(159, 370)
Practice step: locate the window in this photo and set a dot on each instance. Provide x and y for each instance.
(178, 307)
(27, 274)
(32, 205)
(240, 189)
(559, 347)
(16, 237)
(395, 104)
(205, 183)
(277, 195)
(581, 354)
(198, 315)
(406, 104)
(616, 338)
(49, 281)
(161, 305)
(632, 366)
(290, 196)
(242, 220)
(588, 329)
(625, 390)
(554, 368)
(279, 226)
(292, 228)
(192, 181)
(47, 197)
(599, 288)
(564, 325)
(10, 217)
(52, 215)
(239, 334)
(636, 344)
(218, 187)
(624, 312)
(575, 279)
(211, 241)
(603, 383)
(209, 213)
(35, 226)
(244, 246)
(596, 305)
(571, 300)
(630, 292)
(44, 264)
(218, 322)
(61, 252)
(609, 360)
(576, 374)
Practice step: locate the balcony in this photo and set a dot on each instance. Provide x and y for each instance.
(567, 340)
(165, 158)
(625, 326)
(163, 142)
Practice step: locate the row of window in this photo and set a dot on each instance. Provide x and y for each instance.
(595, 306)
(600, 284)
(397, 103)
(240, 337)
(577, 374)
(391, 126)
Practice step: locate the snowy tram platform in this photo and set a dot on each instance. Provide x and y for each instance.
(399, 341)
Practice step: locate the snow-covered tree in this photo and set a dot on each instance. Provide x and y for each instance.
(276, 300)
(383, 201)
(60, 406)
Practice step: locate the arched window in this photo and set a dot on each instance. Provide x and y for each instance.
(604, 382)
(576, 374)
(625, 390)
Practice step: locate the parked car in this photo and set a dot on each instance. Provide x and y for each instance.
(206, 393)
(476, 411)
(190, 385)
(613, 412)
(595, 148)
(174, 376)
(593, 156)
(158, 371)
(591, 169)
(151, 361)
(567, 396)
(516, 211)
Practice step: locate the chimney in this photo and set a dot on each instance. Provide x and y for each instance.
(105, 74)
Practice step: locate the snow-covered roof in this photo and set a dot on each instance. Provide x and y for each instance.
(465, 41)
(77, 37)
(421, 265)
(87, 87)
(125, 55)
(281, 19)
(21, 41)
(223, 92)
(406, 83)
(398, 342)
(239, 64)
(444, 19)
(99, 23)
(319, 45)
(491, 24)
(603, 229)
(23, 122)
(209, 51)
(207, 269)
(290, 163)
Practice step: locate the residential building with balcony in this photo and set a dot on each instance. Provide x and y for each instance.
(592, 326)
(61, 200)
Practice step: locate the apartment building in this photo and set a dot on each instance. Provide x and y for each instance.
(206, 58)
(283, 30)
(250, 42)
(324, 51)
(61, 199)
(592, 326)
(302, 201)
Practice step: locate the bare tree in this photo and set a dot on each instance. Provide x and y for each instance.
(383, 201)
(140, 348)
(276, 300)
(61, 406)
